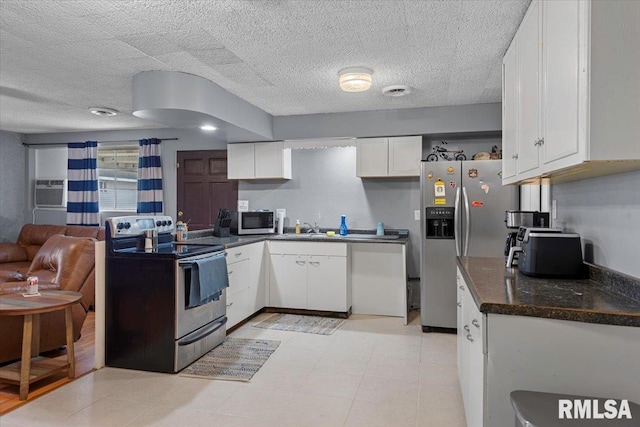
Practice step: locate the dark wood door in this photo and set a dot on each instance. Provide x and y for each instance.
(203, 187)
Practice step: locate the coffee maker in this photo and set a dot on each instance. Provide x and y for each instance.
(516, 219)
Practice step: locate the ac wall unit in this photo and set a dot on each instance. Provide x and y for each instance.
(51, 193)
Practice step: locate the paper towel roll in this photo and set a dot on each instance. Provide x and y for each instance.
(280, 222)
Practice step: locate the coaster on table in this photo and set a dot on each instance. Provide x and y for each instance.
(37, 294)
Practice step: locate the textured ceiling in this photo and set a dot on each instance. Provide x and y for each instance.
(60, 57)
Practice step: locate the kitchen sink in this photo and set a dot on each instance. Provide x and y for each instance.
(307, 235)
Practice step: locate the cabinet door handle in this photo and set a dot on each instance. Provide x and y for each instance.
(515, 156)
(475, 323)
(459, 304)
(316, 263)
(300, 262)
(230, 272)
(541, 141)
(469, 337)
(229, 305)
(466, 328)
(238, 254)
(461, 287)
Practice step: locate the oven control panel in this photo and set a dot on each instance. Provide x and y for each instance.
(133, 225)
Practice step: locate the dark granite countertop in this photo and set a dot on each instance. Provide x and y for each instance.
(499, 290)
(206, 237)
(227, 242)
(350, 238)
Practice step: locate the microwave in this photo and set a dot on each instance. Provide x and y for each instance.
(259, 222)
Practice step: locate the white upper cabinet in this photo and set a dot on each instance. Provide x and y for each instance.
(570, 92)
(258, 160)
(405, 153)
(372, 157)
(561, 60)
(529, 70)
(384, 157)
(240, 161)
(510, 110)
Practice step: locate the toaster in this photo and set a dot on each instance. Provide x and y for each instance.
(549, 253)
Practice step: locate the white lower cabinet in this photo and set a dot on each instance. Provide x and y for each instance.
(288, 281)
(501, 353)
(327, 283)
(379, 279)
(309, 275)
(471, 355)
(238, 291)
(246, 291)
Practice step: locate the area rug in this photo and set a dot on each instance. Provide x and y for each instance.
(236, 359)
(297, 323)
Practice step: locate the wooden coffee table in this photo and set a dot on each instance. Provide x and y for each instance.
(29, 370)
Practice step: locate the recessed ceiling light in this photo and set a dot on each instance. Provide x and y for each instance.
(396, 90)
(355, 79)
(103, 111)
(208, 127)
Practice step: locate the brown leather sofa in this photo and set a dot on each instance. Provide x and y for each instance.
(16, 258)
(60, 262)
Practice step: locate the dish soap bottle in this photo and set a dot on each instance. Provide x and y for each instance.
(297, 226)
(343, 225)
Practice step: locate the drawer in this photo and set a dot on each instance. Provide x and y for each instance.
(239, 275)
(237, 305)
(237, 254)
(308, 248)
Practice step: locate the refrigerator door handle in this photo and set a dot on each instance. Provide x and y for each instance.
(457, 220)
(467, 223)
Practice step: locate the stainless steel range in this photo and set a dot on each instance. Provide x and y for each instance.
(156, 317)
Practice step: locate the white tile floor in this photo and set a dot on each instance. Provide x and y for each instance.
(371, 372)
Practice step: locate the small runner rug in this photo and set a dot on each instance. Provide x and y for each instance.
(236, 359)
(297, 323)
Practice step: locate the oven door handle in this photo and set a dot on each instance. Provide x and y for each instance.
(191, 338)
(190, 260)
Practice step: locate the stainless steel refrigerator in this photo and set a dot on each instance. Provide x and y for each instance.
(463, 204)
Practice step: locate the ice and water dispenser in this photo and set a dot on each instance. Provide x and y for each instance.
(440, 222)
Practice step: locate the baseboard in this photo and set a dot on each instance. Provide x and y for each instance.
(337, 314)
(439, 329)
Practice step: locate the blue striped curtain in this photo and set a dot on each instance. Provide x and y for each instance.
(82, 184)
(150, 177)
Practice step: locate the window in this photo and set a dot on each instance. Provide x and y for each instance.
(118, 177)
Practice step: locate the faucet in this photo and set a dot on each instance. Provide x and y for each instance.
(313, 229)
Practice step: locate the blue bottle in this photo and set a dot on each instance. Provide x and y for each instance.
(343, 225)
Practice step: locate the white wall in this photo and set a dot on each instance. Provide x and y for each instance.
(469, 145)
(605, 211)
(51, 163)
(13, 168)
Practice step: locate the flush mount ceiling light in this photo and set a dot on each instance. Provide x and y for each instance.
(103, 111)
(208, 128)
(355, 79)
(396, 90)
